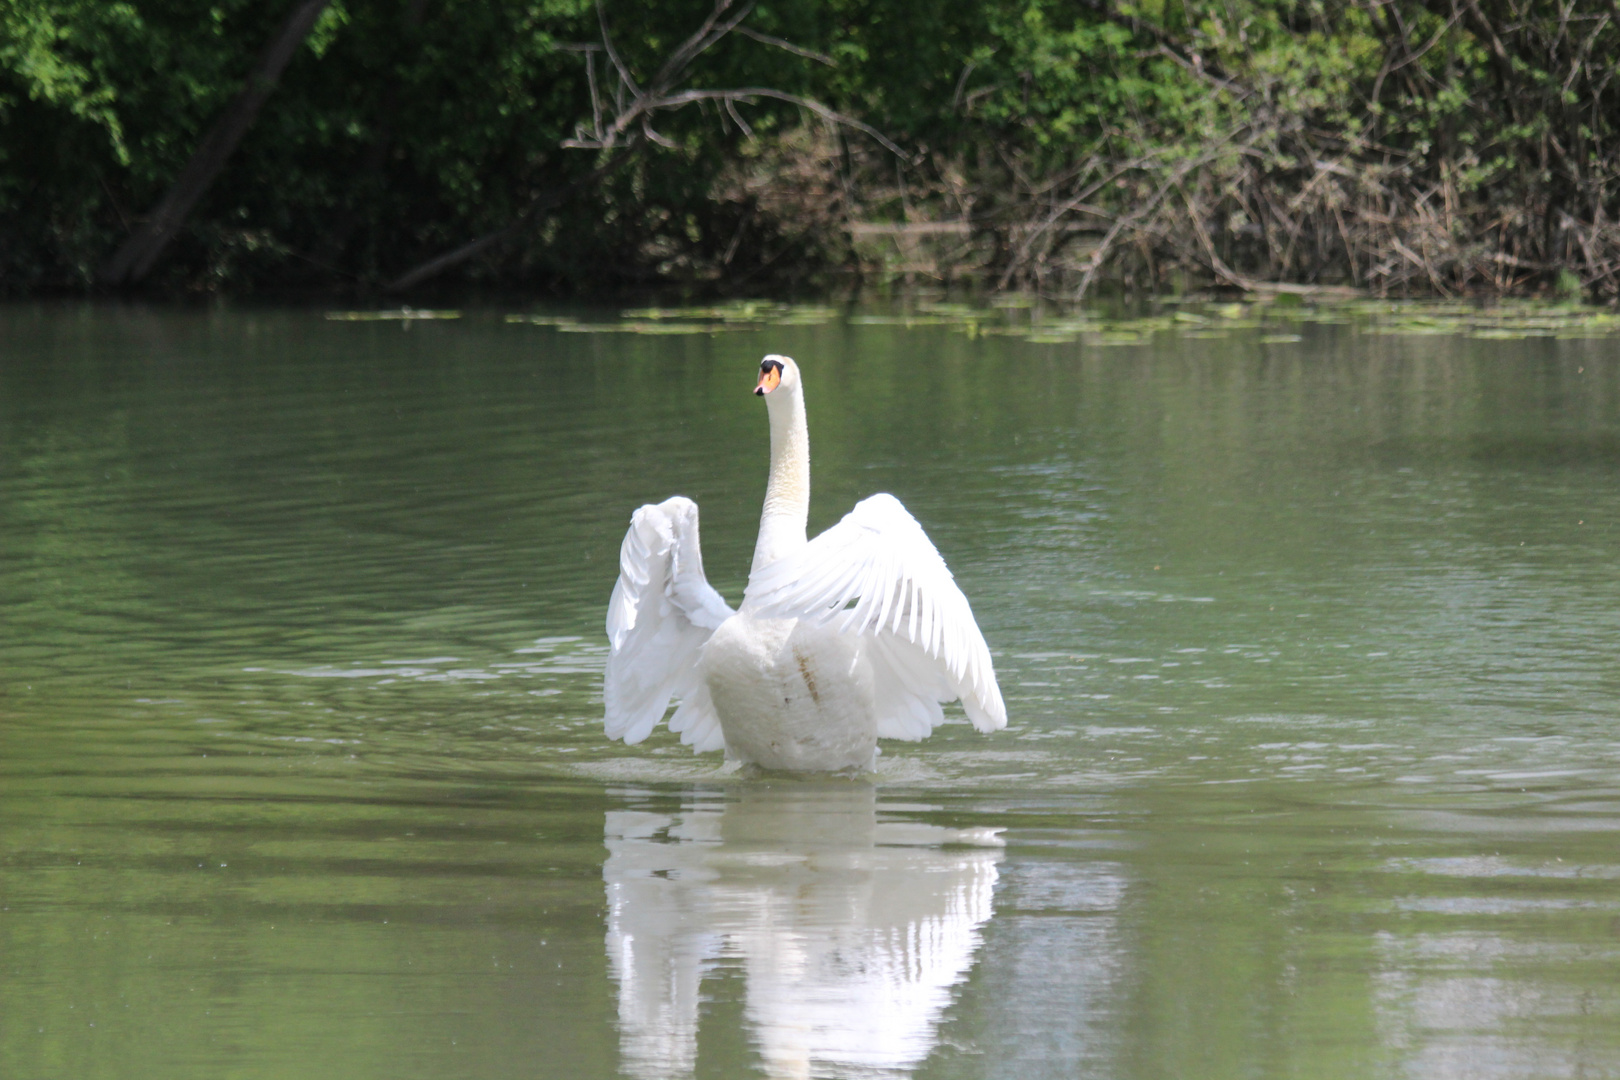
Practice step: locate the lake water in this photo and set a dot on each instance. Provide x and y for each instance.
(1308, 642)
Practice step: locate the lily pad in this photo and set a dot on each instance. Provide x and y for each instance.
(401, 314)
(543, 320)
(674, 328)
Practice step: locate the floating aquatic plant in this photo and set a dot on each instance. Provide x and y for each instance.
(398, 314)
(1265, 321)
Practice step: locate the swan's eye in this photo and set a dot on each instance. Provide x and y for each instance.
(770, 377)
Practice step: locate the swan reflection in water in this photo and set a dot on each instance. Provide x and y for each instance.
(850, 932)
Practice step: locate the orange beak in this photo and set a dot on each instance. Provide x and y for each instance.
(769, 379)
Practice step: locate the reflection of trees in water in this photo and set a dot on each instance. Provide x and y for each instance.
(1049, 996)
(72, 576)
(850, 931)
(1462, 1004)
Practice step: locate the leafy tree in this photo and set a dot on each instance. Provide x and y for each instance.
(1441, 145)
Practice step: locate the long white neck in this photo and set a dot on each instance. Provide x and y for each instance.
(787, 495)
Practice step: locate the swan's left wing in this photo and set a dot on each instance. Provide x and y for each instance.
(877, 573)
(662, 611)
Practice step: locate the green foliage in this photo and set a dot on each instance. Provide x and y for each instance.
(50, 52)
(404, 128)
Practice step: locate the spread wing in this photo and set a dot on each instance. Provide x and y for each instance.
(877, 573)
(661, 613)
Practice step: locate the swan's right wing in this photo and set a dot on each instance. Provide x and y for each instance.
(661, 613)
(878, 575)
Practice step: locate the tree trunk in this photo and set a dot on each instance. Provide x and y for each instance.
(134, 259)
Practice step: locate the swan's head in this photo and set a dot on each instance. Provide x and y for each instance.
(776, 372)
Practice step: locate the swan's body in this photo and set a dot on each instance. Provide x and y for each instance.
(859, 635)
(808, 692)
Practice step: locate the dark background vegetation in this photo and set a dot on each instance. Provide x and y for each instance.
(1399, 146)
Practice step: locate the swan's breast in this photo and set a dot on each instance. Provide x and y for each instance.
(791, 696)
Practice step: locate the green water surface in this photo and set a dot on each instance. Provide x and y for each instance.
(1308, 639)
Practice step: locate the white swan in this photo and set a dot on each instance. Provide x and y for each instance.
(859, 635)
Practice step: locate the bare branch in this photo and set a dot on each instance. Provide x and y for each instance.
(961, 82)
(647, 130)
(1078, 202)
(705, 36)
(1413, 57)
(633, 109)
(686, 97)
(596, 97)
(613, 54)
(731, 110)
(788, 46)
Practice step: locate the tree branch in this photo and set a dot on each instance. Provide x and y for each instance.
(633, 120)
(706, 35)
(687, 97)
(613, 54)
(788, 46)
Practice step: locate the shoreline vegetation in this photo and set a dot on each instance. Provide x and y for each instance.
(1381, 148)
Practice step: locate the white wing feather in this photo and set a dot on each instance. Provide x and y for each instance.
(661, 613)
(927, 647)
